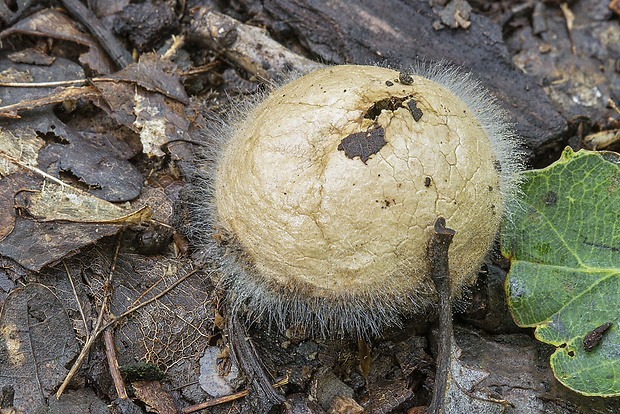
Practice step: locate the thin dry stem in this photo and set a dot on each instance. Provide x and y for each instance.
(115, 372)
(225, 399)
(77, 299)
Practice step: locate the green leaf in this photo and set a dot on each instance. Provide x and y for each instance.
(564, 242)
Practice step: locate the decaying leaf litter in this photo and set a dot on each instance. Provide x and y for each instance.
(132, 125)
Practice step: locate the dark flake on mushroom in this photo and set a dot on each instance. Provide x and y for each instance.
(405, 78)
(363, 144)
(415, 111)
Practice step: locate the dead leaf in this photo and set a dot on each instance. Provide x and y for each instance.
(386, 396)
(41, 141)
(35, 244)
(156, 109)
(159, 120)
(36, 343)
(169, 332)
(18, 142)
(96, 167)
(32, 56)
(10, 72)
(155, 397)
(59, 95)
(155, 75)
(52, 23)
(78, 401)
(119, 97)
(603, 139)
(55, 202)
(85, 219)
(88, 164)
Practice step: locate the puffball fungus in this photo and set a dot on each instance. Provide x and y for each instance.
(323, 196)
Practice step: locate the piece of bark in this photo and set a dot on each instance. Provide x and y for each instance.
(261, 393)
(248, 46)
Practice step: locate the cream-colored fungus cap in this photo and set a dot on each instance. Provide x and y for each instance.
(328, 190)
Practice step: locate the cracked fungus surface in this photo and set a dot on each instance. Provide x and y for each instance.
(332, 187)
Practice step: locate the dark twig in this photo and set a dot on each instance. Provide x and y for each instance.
(440, 274)
(248, 360)
(107, 295)
(121, 57)
(570, 21)
(115, 372)
(364, 354)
